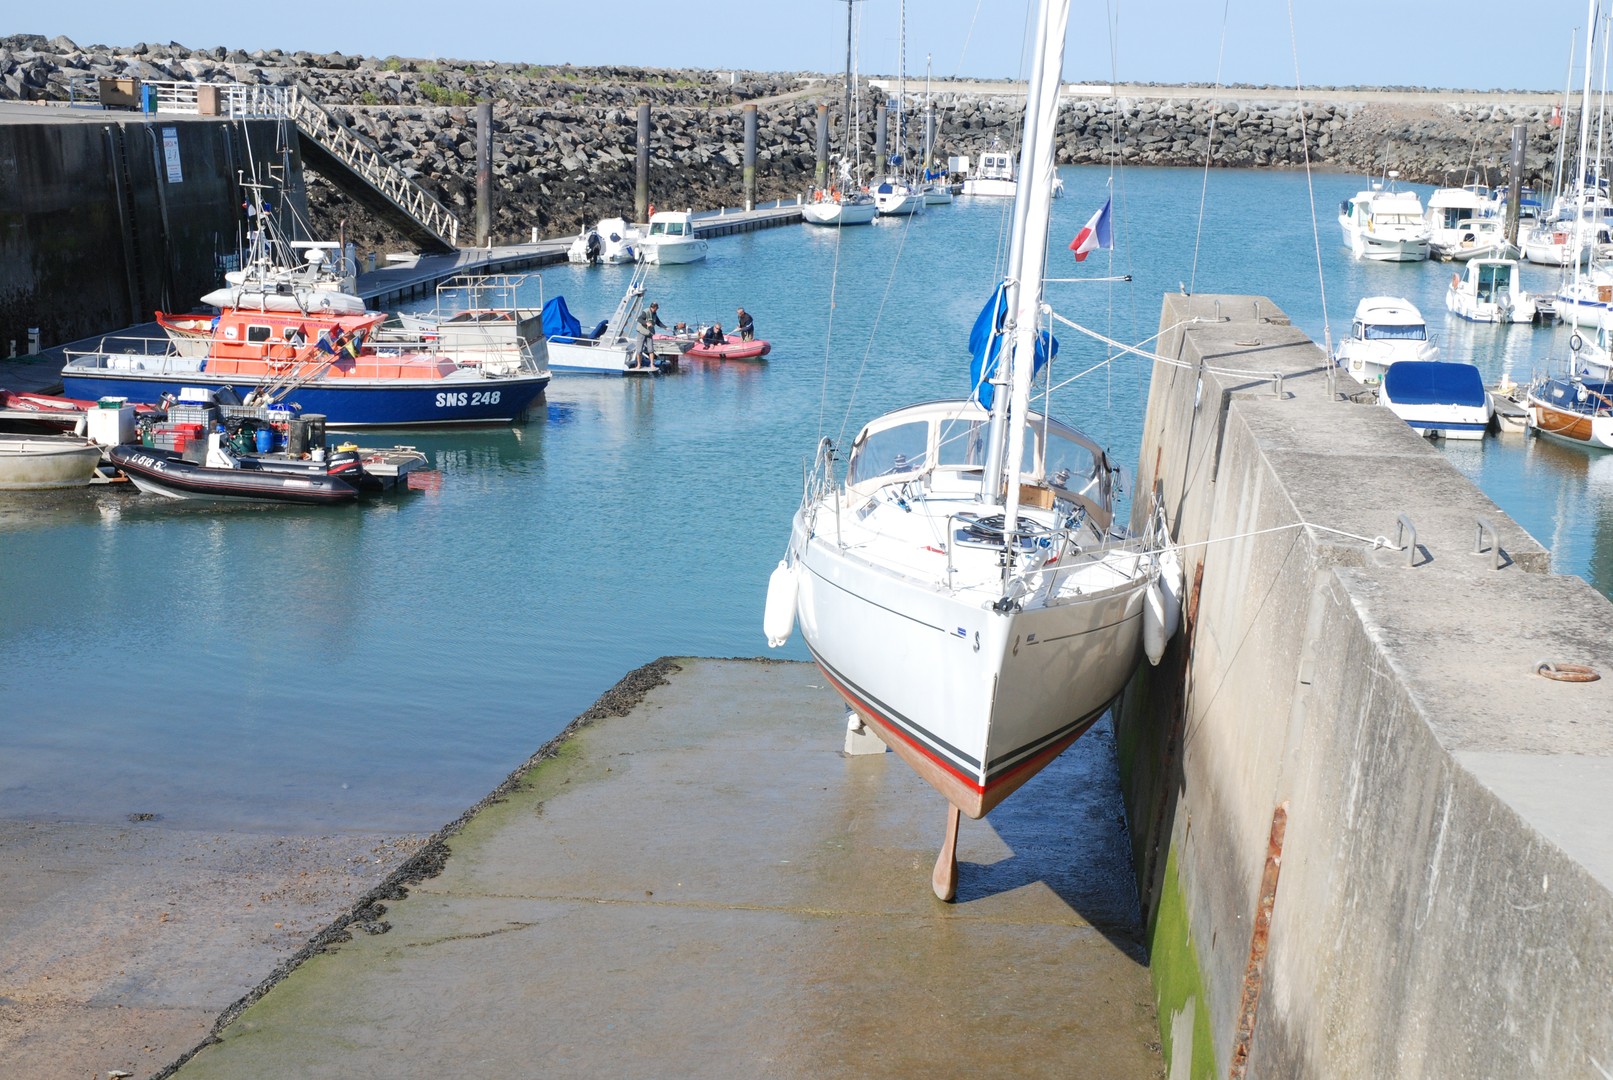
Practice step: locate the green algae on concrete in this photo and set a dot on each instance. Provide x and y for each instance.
(717, 890)
(1184, 1017)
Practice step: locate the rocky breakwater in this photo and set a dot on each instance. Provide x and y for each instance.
(564, 138)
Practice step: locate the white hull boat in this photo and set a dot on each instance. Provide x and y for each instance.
(1451, 212)
(1553, 244)
(840, 210)
(615, 347)
(1586, 298)
(1385, 225)
(671, 239)
(1385, 330)
(964, 587)
(1490, 291)
(1438, 399)
(924, 650)
(30, 462)
(1481, 238)
(896, 199)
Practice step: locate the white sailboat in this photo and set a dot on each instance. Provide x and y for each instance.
(1583, 298)
(898, 194)
(965, 588)
(937, 189)
(843, 203)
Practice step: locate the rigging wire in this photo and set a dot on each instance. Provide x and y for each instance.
(1310, 188)
(873, 331)
(1209, 147)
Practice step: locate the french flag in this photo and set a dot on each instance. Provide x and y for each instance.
(1094, 235)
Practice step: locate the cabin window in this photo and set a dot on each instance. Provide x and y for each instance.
(1070, 466)
(894, 450)
(962, 443)
(257, 334)
(1381, 332)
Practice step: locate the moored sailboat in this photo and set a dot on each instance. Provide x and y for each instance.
(965, 588)
(842, 203)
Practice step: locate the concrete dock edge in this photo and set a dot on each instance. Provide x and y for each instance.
(1370, 839)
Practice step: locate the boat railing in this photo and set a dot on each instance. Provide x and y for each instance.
(120, 345)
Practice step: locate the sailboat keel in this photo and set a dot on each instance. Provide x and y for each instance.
(945, 878)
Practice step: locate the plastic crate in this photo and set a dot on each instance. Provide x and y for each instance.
(205, 415)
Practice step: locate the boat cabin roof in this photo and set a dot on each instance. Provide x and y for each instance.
(1388, 311)
(944, 443)
(1445, 197)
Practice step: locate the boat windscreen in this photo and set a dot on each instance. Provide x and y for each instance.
(893, 450)
(1391, 332)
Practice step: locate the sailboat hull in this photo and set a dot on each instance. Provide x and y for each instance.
(974, 700)
(833, 212)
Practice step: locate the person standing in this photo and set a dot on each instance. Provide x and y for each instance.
(747, 326)
(648, 320)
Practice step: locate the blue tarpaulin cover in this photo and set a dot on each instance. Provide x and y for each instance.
(986, 341)
(1434, 382)
(558, 321)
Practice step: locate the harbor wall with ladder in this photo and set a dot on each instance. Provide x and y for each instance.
(1370, 833)
(106, 217)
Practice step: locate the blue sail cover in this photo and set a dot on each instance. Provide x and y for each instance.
(986, 342)
(558, 321)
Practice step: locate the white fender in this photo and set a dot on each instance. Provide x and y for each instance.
(778, 618)
(1170, 580)
(1154, 623)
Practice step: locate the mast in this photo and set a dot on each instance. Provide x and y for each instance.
(1578, 235)
(901, 84)
(850, 148)
(929, 119)
(847, 113)
(1033, 203)
(1562, 132)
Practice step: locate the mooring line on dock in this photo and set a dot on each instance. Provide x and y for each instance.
(1157, 358)
(1377, 542)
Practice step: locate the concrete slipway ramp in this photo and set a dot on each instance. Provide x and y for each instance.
(704, 885)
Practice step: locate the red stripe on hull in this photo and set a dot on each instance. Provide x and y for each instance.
(960, 789)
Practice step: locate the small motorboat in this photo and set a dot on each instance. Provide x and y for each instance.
(672, 239)
(1386, 330)
(732, 348)
(29, 462)
(1438, 398)
(227, 477)
(1490, 291)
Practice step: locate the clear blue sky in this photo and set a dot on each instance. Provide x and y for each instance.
(1170, 41)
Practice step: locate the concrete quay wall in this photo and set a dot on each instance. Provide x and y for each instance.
(1370, 839)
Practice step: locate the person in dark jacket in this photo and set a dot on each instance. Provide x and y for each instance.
(648, 320)
(713, 335)
(747, 326)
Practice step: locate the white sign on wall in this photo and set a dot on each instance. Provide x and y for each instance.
(170, 153)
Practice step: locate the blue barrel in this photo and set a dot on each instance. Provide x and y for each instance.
(265, 440)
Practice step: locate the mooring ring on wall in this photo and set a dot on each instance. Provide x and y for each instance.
(1566, 672)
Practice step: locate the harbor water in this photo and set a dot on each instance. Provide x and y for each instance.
(381, 667)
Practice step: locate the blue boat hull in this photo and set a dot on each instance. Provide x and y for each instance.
(361, 404)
